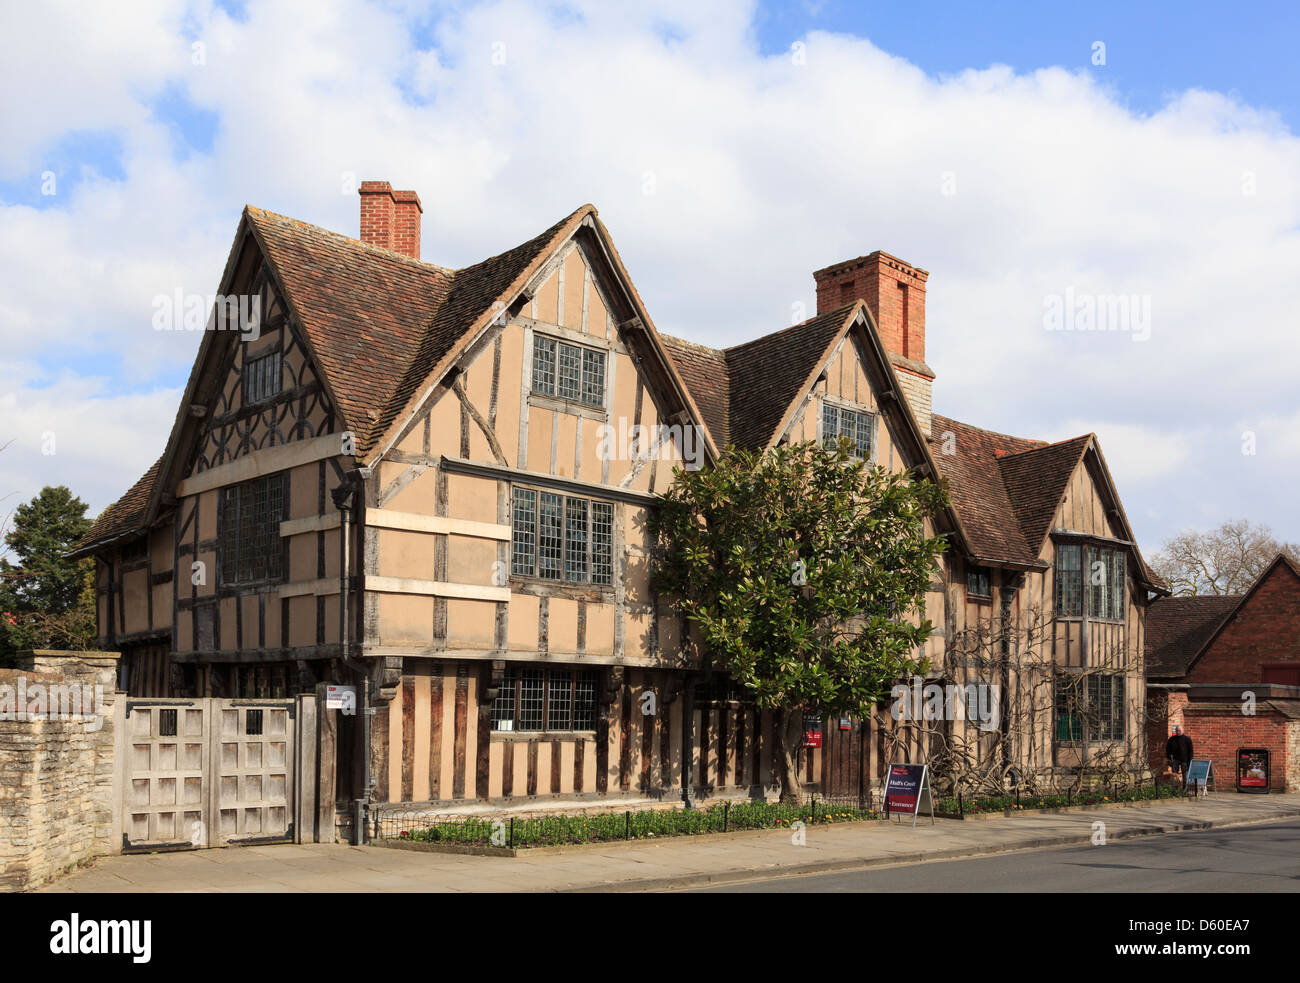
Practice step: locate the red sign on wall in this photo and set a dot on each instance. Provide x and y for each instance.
(812, 738)
(1252, 769)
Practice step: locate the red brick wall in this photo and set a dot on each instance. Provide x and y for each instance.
(894, 292)
(1265, 630)
(1217, 730)
(406, 223)
(377, 216)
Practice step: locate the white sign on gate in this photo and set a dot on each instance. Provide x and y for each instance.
(341, 698)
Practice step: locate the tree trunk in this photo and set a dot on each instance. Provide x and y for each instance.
(789, 732)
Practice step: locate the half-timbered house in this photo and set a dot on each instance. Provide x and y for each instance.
(434, 484)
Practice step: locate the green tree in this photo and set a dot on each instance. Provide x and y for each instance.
(46, 600)
(802, 569)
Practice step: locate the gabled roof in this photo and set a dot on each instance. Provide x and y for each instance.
(472, 293)
(1036, 480)
(749, 388)
(1178, 627)
(365, 310)
(970, 459)
(383, 328)
(1006, 490)
(769, 373)
(1185, 627)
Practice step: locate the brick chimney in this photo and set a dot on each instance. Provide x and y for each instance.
(390, 219)
(895, 294)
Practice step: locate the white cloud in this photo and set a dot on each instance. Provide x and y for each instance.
(763, 170)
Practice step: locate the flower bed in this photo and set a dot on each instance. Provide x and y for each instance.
(1054, 800)
(643, 825)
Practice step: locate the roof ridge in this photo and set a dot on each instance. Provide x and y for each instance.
(842, 311)
(381, 250)
(1046, 445)
(693, 344)
(993, 433)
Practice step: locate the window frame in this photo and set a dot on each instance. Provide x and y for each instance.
(584, 379)
(552, 531)
(1107, 601)
(976, 571)
(581, 694)
(841, 407)
(1085, 724)
(254, 371)
(233, 526)
(1076, 581)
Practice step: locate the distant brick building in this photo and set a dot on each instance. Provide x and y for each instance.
(1210, 660)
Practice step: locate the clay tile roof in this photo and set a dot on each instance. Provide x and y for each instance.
(704, 370)
(769, 372)
(1035, 480)
(378, 322)
(744, 391)
(1177, 628)
(365, 310)
(984, 505)
(124, 516)
(471, 293)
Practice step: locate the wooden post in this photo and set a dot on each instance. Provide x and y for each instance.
(306, 777)
(325, 739)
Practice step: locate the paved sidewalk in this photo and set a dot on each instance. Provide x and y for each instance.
(678, 862)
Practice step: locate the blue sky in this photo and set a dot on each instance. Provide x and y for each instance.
(1152, 48)
(1170, 173)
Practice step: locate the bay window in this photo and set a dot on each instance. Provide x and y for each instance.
(1095, 572)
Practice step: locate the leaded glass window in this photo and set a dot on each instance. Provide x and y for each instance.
(575, 540)
(559, 537)
(524, 541)
(839, 422)
(571, 372)
(569, 384)
(602, 543)
(549, 539)
(543, 365)
(531, 689)
(250, 515)
(536, 699)
(1069, 581)
(262, 378)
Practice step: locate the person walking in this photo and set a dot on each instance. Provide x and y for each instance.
(1179, 752)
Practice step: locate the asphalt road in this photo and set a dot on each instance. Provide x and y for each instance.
(1259, 859)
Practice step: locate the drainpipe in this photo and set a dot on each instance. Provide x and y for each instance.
(343, 495)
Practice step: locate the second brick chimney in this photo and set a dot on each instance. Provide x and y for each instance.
(895, 294)
(390, 219)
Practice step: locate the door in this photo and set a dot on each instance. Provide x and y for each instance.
(166, 787)
(253, 752)
(844, 764)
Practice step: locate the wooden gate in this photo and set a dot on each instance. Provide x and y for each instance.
(207, 772)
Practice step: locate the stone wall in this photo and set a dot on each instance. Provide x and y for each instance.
(58, 794)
